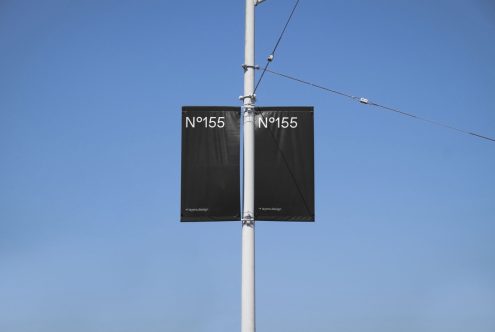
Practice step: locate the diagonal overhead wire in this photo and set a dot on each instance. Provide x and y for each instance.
(370, 103)
(359, 99)
(270, 57)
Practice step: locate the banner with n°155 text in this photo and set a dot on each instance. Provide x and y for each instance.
(284, 164)
(210, 173)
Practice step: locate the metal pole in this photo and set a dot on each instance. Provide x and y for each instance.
(247, 293)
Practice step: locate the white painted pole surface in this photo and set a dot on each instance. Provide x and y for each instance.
(247, 292)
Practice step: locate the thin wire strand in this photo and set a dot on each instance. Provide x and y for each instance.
(367, 102)
(276, 45)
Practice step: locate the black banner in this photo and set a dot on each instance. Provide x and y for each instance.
(210, 185)
(284, 164)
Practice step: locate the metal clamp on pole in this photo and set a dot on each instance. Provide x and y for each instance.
(257, 2)
(248, 108)
(247, 219)
(246, 67)
(252, 97)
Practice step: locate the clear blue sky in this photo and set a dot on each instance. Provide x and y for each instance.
(90, 97)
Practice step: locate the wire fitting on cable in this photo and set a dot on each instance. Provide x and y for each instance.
(270, 58)
(257, 2)
(363, 100)
(246, 67)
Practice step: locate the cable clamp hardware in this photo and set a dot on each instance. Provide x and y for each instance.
(257, 2)
(245, 67)
(248, 108)
(247, 219)
(363, 100)
(252, 97)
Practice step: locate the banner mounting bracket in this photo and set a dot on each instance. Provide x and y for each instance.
(247, 219)
(252, 97)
